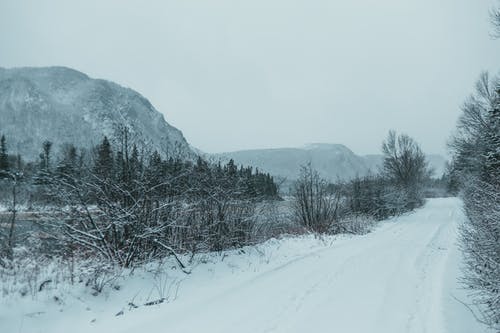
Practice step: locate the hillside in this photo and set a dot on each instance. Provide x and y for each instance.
(332, 161)
(63, 105)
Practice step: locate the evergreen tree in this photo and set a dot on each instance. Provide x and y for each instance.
(103, 166)
(47, 148)
(43, 175)
(231, 168)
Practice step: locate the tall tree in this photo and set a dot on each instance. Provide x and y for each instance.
(4, 157)
(103, 167)
(495, 20)
(43, 175)
(404, 161)
(406, 168)
(46, 155)
(472, 137)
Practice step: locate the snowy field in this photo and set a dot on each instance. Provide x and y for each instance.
(402, 277)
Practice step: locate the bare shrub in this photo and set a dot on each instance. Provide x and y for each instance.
(315, 208)
(355, 224)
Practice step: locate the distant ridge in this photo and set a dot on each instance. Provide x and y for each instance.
(332, 161)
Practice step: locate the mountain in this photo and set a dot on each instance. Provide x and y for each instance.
(63, 105)
(332, 161)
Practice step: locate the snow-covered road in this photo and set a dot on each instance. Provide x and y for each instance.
(400, 278)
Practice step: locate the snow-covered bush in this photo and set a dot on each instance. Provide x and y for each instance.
(481, 246)
(354, 224)
(31, 274)
(274, 218)
(476, 171)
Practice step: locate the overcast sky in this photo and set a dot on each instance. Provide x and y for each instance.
(235, 74)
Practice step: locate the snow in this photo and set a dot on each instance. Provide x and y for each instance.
(45, 103)
(334, 162)
(402, 277)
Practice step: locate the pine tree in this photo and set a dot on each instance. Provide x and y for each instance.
(44, 175)
(47, 148)
(231, 168)
(103, 167)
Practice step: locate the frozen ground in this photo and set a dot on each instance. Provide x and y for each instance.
(400, 278)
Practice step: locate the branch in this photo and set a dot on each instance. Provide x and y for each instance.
(172, 252)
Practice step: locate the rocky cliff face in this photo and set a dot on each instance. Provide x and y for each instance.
(63, 105)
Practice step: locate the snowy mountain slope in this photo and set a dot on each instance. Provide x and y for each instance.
(333, 161)
(402, 277)
(66, 106)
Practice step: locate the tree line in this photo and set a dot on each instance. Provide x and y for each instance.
(128, 205)
(124, 205)
(475, 176)
(395, 189)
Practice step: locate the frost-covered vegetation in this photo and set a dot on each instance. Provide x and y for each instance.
(475, 172)
(127, 206)
(398, 188)
(121, 206)
(310, 282)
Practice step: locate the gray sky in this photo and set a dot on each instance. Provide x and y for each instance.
(235, 74)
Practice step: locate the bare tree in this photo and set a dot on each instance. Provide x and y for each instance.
(406, 168)
(471, 137)
(495, 20)
(13, 178)
(315, 208)
(404, 161)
